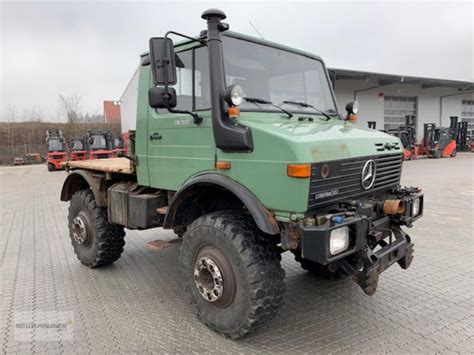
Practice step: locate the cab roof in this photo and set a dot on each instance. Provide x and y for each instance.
(186, 44)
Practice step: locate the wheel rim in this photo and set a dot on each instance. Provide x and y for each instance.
(80, 232)
(213, 277)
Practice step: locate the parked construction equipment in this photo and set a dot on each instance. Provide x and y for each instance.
(118, 146)
(56, 147)
(463, 139)
(77, 149)
(439, 142)
(407, 135)
(99, 144)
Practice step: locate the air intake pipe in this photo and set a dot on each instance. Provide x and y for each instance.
(228, 134)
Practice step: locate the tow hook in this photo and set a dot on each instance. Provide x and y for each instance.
(365, 270)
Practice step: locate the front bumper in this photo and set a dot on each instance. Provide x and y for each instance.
(374, 243)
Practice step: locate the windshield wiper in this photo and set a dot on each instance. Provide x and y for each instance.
(256, 100)
(304, 104)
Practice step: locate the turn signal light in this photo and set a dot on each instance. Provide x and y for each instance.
(233, 112)
(299, 170)
(353, 118)
(223, 165)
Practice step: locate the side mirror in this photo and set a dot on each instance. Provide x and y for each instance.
(159, 97)
(162, 60)
(352, 107)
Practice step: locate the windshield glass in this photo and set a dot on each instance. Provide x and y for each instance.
(118, 143)
(276, 75)
(98, 142)
(55, 145)
(77, 145)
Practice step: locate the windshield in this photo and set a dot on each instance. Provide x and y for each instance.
(98, 142)
(77, 145)
(118, 144)
(55, 145)
(276, 75)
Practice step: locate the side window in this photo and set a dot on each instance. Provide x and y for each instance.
(184, 76)
(201, 87)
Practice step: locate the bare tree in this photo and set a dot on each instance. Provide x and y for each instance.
(33, 114)
(11, 117)
(70, 106)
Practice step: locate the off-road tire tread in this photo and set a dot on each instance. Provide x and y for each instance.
(260, 258)
(111, 237)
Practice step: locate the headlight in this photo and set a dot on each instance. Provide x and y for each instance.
(339, 240)
(355, 107)
(233, 95)
(415, 208)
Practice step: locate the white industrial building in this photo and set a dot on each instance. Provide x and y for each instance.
(387, 99)
(384, 98)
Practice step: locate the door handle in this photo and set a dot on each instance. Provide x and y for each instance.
(155, 136)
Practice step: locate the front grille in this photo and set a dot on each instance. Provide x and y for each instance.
(343, 179)
(58, 156)
(101, 156)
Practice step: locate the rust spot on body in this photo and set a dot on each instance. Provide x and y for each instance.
(315, 152)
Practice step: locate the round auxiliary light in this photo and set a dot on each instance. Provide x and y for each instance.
(352, 107)
(355, 107)
(234, 95)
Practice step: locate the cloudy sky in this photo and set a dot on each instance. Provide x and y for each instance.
(92, 48)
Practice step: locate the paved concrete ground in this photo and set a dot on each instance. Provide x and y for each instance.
(138, 305)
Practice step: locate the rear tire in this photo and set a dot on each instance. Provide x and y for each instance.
(454, 153)
(96, 242)
(319, 270)
(438, 154)
(231, 273)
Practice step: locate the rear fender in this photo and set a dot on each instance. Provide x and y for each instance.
(82, 179)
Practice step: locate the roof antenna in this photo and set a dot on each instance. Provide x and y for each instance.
(255, 28)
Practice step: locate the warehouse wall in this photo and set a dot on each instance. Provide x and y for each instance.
(428, 101)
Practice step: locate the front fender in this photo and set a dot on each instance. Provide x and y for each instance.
(263, 218)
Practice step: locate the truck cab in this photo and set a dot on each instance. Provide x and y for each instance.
(241, 150)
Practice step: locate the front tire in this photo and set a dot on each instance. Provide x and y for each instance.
(96, 242)
(232, 273)
(51, 167)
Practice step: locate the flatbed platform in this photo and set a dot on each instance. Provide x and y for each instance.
(109, 165)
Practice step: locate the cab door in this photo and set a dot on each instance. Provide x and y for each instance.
(178, 148)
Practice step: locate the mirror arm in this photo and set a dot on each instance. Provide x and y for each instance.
(184, 36)
(196, 117)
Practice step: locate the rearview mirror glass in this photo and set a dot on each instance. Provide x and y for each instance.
(159, 97)
(163, 62)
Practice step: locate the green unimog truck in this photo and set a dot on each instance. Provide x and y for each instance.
(239, 148)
